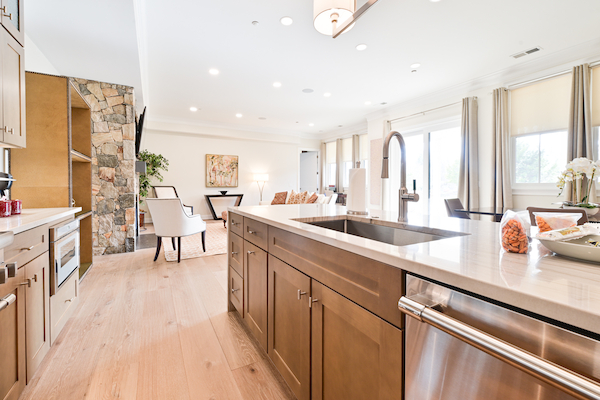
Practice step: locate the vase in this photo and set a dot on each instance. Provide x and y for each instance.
(593, 214)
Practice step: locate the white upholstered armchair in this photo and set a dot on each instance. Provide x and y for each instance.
(171, 220)
(169, 192)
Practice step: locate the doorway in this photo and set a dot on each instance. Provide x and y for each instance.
(309, 171)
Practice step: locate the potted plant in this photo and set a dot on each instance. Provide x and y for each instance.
(155, 163)
(580, 173)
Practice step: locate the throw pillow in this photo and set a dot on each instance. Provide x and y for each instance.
(321, 199)
(298, 198)
(290, 197)
(312, 198)
(279, 198)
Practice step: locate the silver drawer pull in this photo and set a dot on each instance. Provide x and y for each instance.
(311, 300)
(3, 9)
(234, 223)
(234, 290)
(233, 253)
(28, 283)
(70, 300)
(300, 294)
(250, 252)
(27, 248)
(251, 232)
(7, 301)
(12, 269)
(555, 375)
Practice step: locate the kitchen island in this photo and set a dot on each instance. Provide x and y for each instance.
(322, 302)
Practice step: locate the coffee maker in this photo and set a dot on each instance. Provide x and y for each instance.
(6, 181)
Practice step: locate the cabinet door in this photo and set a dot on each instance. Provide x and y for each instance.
(12, 339)
(355, 354)
(289, 325)
(13, 91)
(255, 291)
(12, 19)
(37, 312)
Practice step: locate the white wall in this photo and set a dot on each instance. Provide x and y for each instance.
(35, 60)
(186, 153)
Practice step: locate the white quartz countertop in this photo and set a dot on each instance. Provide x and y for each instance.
(32, 217)
(541, 282)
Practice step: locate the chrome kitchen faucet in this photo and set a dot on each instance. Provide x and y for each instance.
(404, 196)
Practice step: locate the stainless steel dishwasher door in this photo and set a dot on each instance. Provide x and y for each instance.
(441, 367)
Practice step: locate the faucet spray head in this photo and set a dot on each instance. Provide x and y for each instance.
(385, 168)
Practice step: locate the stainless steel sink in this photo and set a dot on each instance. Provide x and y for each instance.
(398, 236)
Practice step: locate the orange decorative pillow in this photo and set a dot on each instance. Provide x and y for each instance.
(290, 197)
(312, 199)
(298, 198)
(279, 198)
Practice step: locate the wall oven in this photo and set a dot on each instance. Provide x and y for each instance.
(64, 253)
(462, 347)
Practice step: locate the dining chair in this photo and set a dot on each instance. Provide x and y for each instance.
(581, 221)
(171, 220)
(169, 192)
(455, 204)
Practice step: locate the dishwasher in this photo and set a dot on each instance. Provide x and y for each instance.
(462, 347)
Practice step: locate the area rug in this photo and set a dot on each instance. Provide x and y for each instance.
(191, 246)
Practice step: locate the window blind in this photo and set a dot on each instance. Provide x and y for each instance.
(347, 150)
(541, 107)
(364, 147)
(330, 153)
(596, 96)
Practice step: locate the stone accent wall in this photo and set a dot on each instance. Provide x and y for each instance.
(114, 182)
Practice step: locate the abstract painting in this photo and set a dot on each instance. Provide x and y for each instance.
(221, 171)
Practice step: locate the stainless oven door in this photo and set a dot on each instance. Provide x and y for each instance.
(461, 347)
(65, 258)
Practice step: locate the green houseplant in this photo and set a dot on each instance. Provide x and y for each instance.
(155, 163)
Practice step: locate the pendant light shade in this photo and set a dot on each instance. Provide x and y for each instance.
(329, 14)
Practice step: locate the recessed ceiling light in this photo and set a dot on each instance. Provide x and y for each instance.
(339, 126)
(254, 23)
(194, 109)
(327, 94)
(415, 65)
(367, 103)
(384, 103)
(276, 84)
(239, 115)
(361, 47)
(263, 118)
(307, 90)
(287, 21)
(213, 71)
(434, 1)
(311, 124)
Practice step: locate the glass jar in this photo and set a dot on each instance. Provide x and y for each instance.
(16, 207)
(5, 208)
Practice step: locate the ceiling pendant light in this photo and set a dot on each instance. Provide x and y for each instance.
(329, 14)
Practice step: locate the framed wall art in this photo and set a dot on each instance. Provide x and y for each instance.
(221, 171)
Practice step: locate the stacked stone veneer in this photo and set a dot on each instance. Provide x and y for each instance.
(114, 182)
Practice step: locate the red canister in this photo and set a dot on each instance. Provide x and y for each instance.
(16, 206)
(5, 208)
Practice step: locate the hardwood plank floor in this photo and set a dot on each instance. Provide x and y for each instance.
(155, 330)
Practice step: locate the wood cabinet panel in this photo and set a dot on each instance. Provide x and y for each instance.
(255, 291)
(236, 224)
(236, 290)
(256, 232)
(355, 354)
(12, 339)
(62, 305)
(37, 312)
(371, 284)
(289, 325)
(13, 91)
(27, 246)
(236, 253)
(12, 19)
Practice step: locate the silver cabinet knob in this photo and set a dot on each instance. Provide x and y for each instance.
(250, 252)
(234, 290)
(3, 275)
(7, 301)
(12, 269)
(300, 294)
(27, 283)
(233, 253)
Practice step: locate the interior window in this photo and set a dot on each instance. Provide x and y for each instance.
(444, 167)
(540, 157)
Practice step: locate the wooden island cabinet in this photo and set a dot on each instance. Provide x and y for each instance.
(326, 317)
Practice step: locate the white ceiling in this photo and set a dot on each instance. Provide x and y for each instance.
(456, 41)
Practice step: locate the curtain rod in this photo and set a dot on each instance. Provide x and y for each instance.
(424, 112)
(529, 82)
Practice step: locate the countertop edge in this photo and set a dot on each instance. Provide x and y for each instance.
(46, 215)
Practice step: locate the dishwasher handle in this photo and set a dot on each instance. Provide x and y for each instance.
(561, 378)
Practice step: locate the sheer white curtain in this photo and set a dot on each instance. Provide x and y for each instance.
(502, 183)
(468, 179)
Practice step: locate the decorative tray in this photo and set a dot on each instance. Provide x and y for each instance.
(575, 248)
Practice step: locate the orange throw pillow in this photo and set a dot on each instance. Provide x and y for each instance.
(279, 198)
(312, 198)
(291, 197)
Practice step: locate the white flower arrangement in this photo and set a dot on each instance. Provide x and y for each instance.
(574, 172)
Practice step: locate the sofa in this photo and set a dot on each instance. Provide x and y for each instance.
(293, 197)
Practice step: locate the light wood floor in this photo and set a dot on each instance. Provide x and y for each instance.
(146, 330)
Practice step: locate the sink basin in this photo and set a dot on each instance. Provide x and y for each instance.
(398, 236)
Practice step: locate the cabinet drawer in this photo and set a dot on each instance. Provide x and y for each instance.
(371, 284)
(27, 246)
(255, 292)
(256, 232)
(62, 305)
(236, 253)
(236, 295)
(236, 224)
